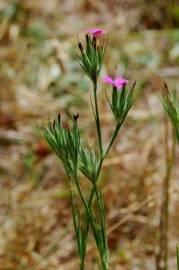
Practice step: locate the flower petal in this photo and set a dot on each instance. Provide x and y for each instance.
(121, 80)
(96, 31)
(108, 79)
(117, 84)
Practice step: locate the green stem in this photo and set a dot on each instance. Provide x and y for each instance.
(76, 227)
(113, 137)
(97, 176)
(97, 119)
(82, 264)
(102, 157)
(104, 251)
(104, 257)
(86, 207)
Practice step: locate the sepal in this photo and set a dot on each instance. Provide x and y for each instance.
(88, 162)
(91, 58)
(65, 142)
(170, 102)
(121, 102)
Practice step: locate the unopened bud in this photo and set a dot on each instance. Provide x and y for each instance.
(87, 38)
(94, 42)
(54, 123)
(59, 117)
(80, 47)
(115, 88)
(166, 90)
(65, 125)
(75, 117)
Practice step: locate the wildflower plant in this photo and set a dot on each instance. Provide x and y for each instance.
(78, 158)
(170, 103)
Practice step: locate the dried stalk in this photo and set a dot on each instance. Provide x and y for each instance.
(162, 256)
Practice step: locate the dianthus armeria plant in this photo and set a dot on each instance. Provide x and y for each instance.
(78, 158)
(170, 103)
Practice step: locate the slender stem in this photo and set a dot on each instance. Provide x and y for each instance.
(102, 157)
(177, 257)
(74, 218)
(162, 256)
(80, 251)
(84, 203)
(97, 119)
(104, 259)
(167, 198)
(101, 162)
(103, 225)
(113, 137)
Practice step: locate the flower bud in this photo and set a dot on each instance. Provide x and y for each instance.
(80, 47)
(75, 117)
(65, 125)
(54, 123)
(166, 90)
(94, 42)
(59, 118)
(87, 38)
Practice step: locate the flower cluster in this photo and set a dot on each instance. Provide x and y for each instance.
(65, 142)
(92, 54)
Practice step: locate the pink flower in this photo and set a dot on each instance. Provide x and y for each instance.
(96, 32)
(117, 82)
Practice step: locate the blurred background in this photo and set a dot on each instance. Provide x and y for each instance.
(39, 77)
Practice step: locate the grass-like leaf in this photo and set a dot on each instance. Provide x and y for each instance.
(170, 102)
(88, 162)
